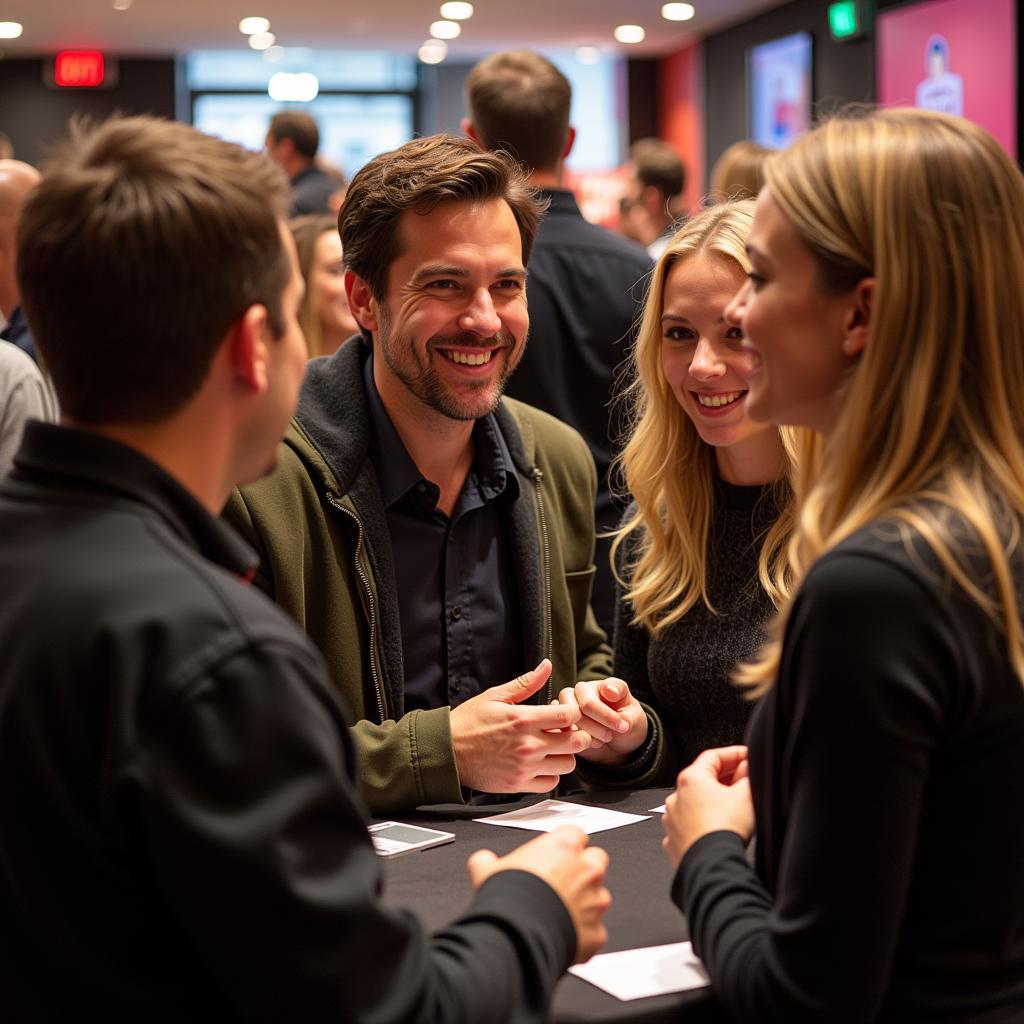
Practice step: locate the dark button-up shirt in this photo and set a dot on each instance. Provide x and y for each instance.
(457, 596)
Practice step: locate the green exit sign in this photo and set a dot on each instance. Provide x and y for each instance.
(846, 20)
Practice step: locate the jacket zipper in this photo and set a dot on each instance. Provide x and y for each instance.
(365, 581)
(538, 476)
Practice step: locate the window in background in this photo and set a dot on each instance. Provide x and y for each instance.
(367, 102)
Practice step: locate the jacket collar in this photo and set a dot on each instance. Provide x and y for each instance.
(334, 417)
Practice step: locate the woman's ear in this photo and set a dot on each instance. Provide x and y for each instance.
(857, 328)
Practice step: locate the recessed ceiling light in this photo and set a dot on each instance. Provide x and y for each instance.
(121, 5)
(253, 26)
(588, 54)
(678, 12)
(10, 29)
(445, 29)
(262, 40)
(433, 51)
(630, 34)
(456, 10)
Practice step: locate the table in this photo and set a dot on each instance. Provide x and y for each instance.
(434, 883)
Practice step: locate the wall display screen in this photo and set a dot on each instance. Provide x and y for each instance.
(779, 90)
(958, 56)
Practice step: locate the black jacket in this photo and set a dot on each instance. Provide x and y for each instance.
(180, 837)
(586, 292)
(887, 774)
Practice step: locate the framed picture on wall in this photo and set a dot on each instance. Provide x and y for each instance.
(958, 56)
(779, 90)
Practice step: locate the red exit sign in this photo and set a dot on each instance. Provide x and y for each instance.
(79, 69)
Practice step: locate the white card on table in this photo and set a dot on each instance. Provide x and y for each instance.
(551, 814)
(639, 973)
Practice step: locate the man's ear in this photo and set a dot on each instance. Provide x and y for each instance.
(247, 349)
(467, 129)
(857, 328)
(570, 140)
(361, 301)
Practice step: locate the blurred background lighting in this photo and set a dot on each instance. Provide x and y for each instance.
(300, 87)
(630, 34)
(445, 29)
(262, 40)
(457, 10)
(253, 26)
(433, 51)
(678, 12)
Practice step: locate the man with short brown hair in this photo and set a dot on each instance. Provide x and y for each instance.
(433, 538)
(650, 206)
(586, 284)
(180, 834)
(292, 141)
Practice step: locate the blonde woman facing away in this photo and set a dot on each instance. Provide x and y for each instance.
(885, 770)
(700, 555)
(324, 315)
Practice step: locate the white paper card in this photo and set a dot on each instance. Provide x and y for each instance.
(551, 814)
(658, 810)
(639, 973)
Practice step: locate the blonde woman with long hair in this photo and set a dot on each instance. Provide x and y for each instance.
(325, 317)
(700, 555)
(885, 769)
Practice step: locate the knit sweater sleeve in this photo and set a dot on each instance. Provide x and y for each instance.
(868, 664)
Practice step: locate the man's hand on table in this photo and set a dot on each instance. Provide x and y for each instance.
(574, 870)
(611, 715)
(712, 795)
(504, 746)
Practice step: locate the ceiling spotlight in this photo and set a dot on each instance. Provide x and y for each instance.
(456, 10)
(253, 26)
(588, 54)
(262, 40)
(445, 29)
(433, 51)
(10, 29)
(630, 34)
(293, 88)
(121, 5)
(678, 12)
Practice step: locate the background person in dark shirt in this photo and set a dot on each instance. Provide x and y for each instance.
(651, 204)
(179, 827)
(586, 284)
(293, 140)
(885, 771)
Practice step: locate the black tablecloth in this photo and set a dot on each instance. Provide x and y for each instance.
(434, 883)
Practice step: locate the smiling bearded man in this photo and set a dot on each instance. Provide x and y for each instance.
(432, 537)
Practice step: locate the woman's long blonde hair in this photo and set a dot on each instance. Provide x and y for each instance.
(931, 420)
(666, 466)
(306, 230)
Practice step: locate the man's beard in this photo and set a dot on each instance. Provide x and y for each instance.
(430, 387)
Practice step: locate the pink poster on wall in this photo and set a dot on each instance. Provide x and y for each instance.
(953, 55)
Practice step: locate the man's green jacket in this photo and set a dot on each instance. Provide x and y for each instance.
(318, 523)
